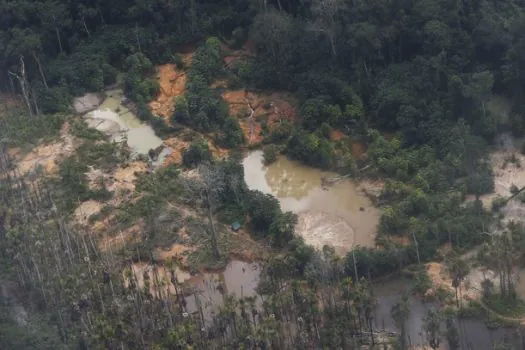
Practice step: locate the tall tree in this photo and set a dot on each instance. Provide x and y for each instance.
(432, 328)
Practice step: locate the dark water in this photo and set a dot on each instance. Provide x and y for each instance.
(474, 332)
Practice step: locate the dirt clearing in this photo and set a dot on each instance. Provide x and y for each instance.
(48, 156)
(172, 81)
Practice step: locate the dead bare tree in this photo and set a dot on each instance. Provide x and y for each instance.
(207, 188)
(24, 86)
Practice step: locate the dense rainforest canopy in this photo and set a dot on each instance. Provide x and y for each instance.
(425, 70)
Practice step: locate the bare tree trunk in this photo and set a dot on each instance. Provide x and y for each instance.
(213, 232)
(40, 69)
(137, 36)
(57, 32)
(85, 27)
(23, 85)
(35, 103)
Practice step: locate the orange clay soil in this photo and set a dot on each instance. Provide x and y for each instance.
(46, 155)
(178, 146)
(172, 81)
(280, 106)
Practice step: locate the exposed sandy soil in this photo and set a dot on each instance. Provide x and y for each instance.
(172, 84)
(48, 155)
(86, 103)
(85, 210)
(371, 188)
(177, 252)
(111, 242)
(177, 146)
(140, 270)
(124, 177)
(508, 165)
(471, 285)
(122, 183)
(118, 181)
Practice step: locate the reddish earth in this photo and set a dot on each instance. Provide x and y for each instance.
(269, 107)
(172, 83)
(237, 55)
(47, 155)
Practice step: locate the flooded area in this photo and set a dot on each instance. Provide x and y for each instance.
(340, 215)
(118, 122)
(203, 291)
(474, 333)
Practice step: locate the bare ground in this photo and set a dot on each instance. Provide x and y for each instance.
(48, 155)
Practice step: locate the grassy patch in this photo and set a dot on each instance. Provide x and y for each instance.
(80, 129)
(105, 156)
(72, 187)
(19, 130)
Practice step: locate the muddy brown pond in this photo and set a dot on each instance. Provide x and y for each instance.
(117, 121)
(340, 215)
(203, 291)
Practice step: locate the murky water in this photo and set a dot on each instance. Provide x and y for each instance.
(114, 119)
(474, 332)
(340, 215)
(204, 291)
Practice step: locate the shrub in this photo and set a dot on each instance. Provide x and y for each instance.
(232, 135)
(178, 60)
(197, 153)
(270, 154)
(498, 203)
(422, 281)
(143, 112)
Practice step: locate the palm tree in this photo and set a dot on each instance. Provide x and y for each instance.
(432, 328)
(400, 312)
(458, 269)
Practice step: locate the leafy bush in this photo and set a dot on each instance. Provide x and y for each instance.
(422, 282)
(197, 153)
(178, 60)
(80, 129)
(231, 135)
(137, 84)
(309, 149)
(270, 154)
(181, 113)
(498, 203)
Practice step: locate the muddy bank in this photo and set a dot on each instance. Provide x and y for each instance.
(341, 215)
(119, 124)
(206, 291)
(87, 103)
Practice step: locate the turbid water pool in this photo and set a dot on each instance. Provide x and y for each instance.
(118, 122)
(340, 215)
